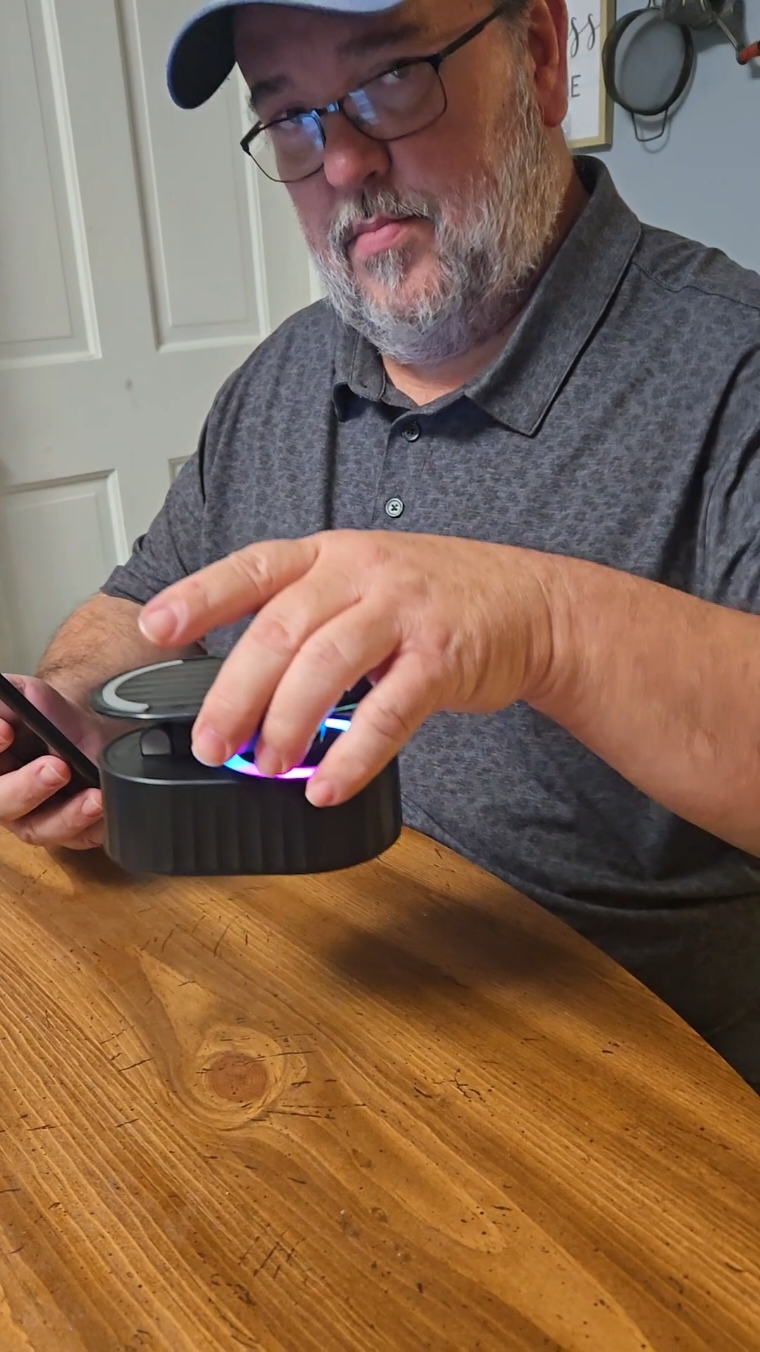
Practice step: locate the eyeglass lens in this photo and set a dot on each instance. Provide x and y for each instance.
(388, 108)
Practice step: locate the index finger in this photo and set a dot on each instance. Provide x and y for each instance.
(226, 591)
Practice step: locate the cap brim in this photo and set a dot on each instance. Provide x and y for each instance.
(203, 54)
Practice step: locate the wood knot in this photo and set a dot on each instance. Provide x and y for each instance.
(237, 1078)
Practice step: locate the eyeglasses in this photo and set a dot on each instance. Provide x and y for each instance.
(402, 101)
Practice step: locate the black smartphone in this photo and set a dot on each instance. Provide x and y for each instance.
(41, 737)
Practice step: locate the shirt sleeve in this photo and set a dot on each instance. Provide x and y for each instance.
(728, 547)
(170, 549)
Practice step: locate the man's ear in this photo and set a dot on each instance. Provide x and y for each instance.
(546, 26)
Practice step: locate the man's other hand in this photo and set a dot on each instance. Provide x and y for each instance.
(28, 785)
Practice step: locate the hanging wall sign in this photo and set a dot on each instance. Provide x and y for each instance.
(588, 125)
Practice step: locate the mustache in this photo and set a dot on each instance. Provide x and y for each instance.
(380, 202)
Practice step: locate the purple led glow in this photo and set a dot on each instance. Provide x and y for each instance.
(245, 767)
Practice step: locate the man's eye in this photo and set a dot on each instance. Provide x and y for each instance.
(288, 129)
(395, 76)
(293, 117)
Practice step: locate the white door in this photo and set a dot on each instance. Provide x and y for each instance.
(141, 259)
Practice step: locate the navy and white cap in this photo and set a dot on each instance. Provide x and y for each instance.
(203, 54)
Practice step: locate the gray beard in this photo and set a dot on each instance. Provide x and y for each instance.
(490, 242)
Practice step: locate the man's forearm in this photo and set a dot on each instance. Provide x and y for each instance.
(663, 687)
(99, 640)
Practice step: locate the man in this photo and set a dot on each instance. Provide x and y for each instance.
(510, 471)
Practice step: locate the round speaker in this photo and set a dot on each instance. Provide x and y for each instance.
(166, 813)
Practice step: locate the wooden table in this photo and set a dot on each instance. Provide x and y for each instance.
(395, 1108)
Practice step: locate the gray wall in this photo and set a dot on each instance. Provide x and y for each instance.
(703, 180)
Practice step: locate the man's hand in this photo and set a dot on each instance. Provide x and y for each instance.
(658, 684)
(26, 787)
(435, 623)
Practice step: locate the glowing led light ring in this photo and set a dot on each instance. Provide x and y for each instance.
(246, 767)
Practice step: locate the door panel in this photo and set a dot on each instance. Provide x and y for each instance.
(46, 302)
(201, 223)
(87, 510)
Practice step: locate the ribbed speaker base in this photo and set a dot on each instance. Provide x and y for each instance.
(177, 817)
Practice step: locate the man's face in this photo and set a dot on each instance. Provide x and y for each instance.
(420, 240)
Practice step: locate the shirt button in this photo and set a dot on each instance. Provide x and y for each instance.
(412, 432)
(394, 508)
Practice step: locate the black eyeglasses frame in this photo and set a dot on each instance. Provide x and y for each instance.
(435, 60)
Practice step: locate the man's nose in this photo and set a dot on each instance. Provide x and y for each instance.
(350, 157)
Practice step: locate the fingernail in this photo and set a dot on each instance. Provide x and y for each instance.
(52, 778)
(209, 748)
(269, 763)
(322, 793)
(159, 625)
(92, 807)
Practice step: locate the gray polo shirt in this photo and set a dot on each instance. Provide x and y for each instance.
(621, 424)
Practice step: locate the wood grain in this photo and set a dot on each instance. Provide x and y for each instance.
(397, 1108)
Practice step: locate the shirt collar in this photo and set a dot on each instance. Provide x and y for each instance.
(520, 386)
(358, 371)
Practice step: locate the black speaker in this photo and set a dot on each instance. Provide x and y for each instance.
(166, 813)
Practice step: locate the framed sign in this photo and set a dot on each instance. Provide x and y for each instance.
(588, 125)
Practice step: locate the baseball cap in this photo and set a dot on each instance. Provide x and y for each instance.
(203, 54)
